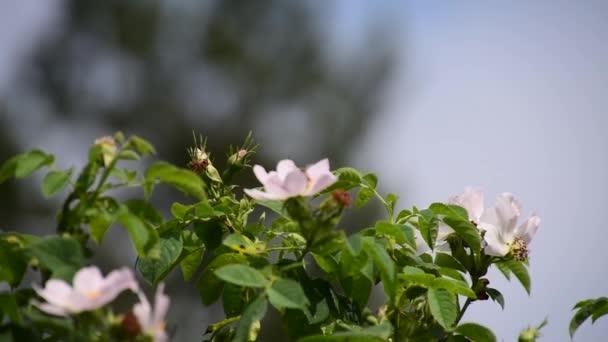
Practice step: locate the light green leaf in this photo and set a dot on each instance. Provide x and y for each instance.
(209, 285)
(100, 223)
(371, 179)
(443, 306)
(62, 256)
(476, 332)
(287, 294)
(401, 233)
(327, 263)
(153, 270)
(383, 262)
(466, 230)
(31, 161)
(191, 262)
(141, 146)
(363, 196)
(182, 179)
(54, 181)
(520, 271)
(451, 210)
(242, 275)
(254, 312)
(144, 237)
(446, 260)
(455, 286)
(144, 210)
(179, 210)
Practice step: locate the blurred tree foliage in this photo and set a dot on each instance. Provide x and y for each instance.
(161, 69)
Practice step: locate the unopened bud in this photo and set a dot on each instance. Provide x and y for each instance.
(242, 153)
(130, 325)
(343, 198)
(108, 149)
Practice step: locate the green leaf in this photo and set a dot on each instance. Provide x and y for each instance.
(144, 237)
(179, 210)
(153, 270)
(62, 256)
(376, 333)
(276, 206)
(242, 275)
(210, 232)
(594, 308)
(401, 233)
(443, 306)
(391, 202)
(384, 263)
(209, 285)
(191, 262)
(455, 286)
(451, 210)
(54, 181)
(446, 260)
(476, 332)
(287, 294)
(204, 210)
(100, 223)
(10, 308)
(359, 288)
(144, 210)
(233, 299)
(427, 224)
(8, 168)
(13, 264)
(327, 263)
(496, 296)
(371, 179)
(349, 174)
(141, 146)
(182, 179)
(363, 196)
(31, 161)
(254, 312)
(466, 230)
(520, 271)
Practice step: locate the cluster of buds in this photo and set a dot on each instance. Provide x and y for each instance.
(200, 161)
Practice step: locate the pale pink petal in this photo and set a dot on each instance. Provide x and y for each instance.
(528, 229)
(143, 311)
(260, 173)
(284, 167)
(489, 216)
(161, 306)
(295, 183)
(318, 169)
(274, 184)
(116, 282)
(263, 196)
(51, 309)
(321, 183)
(472, 201)
(495, 244)
(88, 279)
(56, 292)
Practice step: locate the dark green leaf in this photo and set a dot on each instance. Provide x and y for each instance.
(32, 161)
(359, 288)
(520, 271)
(62, 256)
(153, 270)
(54, 181)
(384, 263)
(287, 294)
(363, 196)
(466, 230)
(144, 237)
(210, 232)
(476, 332)
(182, 179)
(233, 299)
(454, 286)
(450, 210)
(327, 263)
(443, 306)
(144, 210)
(10, 308)
(242, 275)
(496, 296)
(8, 168)
(100, 223)
(13, 264)
(446, 260)
(254, 312)
(209, 286)
(427, 224)
(191, 263)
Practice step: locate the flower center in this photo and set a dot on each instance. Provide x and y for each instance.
(92, 294)
(519, 249)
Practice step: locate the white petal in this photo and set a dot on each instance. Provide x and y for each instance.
(51, 309)
(318, 169)
(472, 201)
(260, 173)
(56, 292)
(496, 245)
(295, 182)
(88, 279)
(263, 196)
(161, 305)
(143, 312)
(321, 183)
(284, 167)
(528, 229)
(116, 282)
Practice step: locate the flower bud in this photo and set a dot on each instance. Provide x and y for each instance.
(342, 198)
(130, 325)
(108, 149)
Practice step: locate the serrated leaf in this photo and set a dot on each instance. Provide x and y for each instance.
(54, 181)
(520, 271)
(144, 237)
(182, 179)
(466, 230)
(254, 312)
(31, 161)
(363, 196)
(62, 256)
(242, 275)
(287, 294)
(371, 179)
(209, 285)
(153, 270)
(496, 296)
(476, 332)
(442, 304)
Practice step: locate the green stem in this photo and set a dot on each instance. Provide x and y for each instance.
(464, 308)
